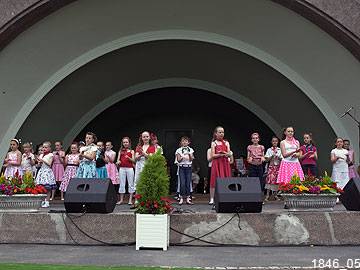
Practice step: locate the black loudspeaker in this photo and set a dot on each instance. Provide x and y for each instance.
(238, 195)
(90, 195)
(351, 196)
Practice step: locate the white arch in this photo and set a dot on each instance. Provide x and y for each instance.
(172, 82)
(175, 34)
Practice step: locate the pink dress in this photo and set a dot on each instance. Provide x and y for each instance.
(289, 166)
(58, 167)
(220, 167)
(70, 171)
(352, 169)
(112, 171)
(11, 169)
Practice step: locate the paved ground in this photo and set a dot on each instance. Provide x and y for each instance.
(178, 256)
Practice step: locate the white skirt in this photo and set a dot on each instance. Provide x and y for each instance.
(341, 178)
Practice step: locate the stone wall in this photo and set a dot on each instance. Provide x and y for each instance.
(265, 229)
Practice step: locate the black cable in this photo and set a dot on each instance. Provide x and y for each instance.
(97, 240)
(68, 231)
(194, 238)
(239, 221)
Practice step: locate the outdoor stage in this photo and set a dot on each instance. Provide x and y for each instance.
(275, 226)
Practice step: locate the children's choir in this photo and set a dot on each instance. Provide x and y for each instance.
(94, 159)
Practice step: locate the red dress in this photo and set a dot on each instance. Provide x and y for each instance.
(220, 167)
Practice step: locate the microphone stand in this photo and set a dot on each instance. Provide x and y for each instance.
(358, 123)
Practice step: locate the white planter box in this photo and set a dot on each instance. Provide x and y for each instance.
(152, 231)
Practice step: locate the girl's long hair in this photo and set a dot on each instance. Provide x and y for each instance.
(122, 145)
(141, 143)
(338, 138)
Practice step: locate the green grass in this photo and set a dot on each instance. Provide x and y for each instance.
(17, 266)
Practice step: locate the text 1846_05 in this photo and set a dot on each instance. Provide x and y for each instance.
(350, 263)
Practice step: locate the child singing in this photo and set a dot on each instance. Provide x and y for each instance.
(13, 160)
(143, 150)
(290, 165)
(87, 167)
(184, 156)
(111, 168)
(72, 161)
(45, 175)
(255, 158)
(352, 170)
(101, 171)
(308, 156)
(340, 159)
(58, 165)
(126, 160)
(273, 157)
(28, 160)
(220, 153)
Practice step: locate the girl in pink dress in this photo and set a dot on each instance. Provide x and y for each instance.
(58, 165)
(12, 161)
(352, 168)
(290, 165)
(111, 168)
(72, 163)
(220, 154)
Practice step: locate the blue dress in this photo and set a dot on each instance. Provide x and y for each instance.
(87, 168)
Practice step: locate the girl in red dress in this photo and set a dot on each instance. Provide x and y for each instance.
(220, 153)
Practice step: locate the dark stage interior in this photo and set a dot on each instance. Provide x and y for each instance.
(173, 112)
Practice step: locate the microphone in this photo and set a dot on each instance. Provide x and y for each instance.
(345, 113)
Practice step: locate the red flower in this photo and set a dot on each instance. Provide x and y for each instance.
(142, 203)
(137, 196)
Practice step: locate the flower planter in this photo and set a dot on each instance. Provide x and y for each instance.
(310, 202)
(152, 231)
(21, 202)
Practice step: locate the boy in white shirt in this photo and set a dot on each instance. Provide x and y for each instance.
(184, 156)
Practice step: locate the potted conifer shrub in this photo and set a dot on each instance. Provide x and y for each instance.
(152, 205)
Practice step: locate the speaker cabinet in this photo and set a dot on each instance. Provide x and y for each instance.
(91, 195)
(238, 195)
(351, 196)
